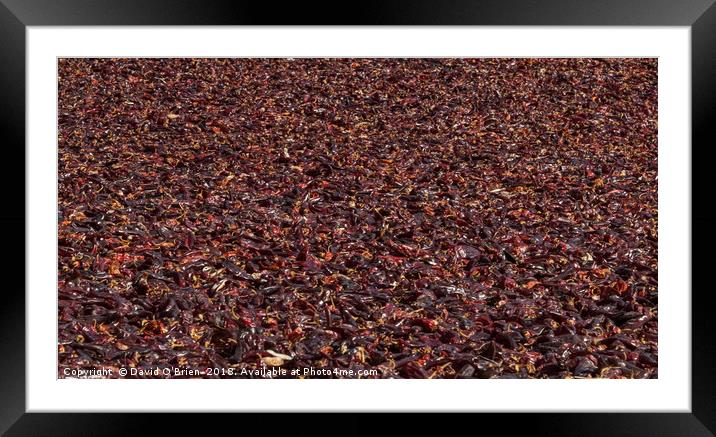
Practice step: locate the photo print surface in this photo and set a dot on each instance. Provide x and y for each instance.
(357, 218)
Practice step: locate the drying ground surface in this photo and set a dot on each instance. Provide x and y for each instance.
(420, 218)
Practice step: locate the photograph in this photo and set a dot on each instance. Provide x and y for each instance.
(357, 218)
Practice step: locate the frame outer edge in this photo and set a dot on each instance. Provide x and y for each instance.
(703, 92)
(12, 45)
(372, 12)
(12, 218)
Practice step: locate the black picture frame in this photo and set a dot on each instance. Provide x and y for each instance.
(16, 15)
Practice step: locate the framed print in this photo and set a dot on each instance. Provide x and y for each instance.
(482, 208)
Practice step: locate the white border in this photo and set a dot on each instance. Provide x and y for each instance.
(670, 392)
